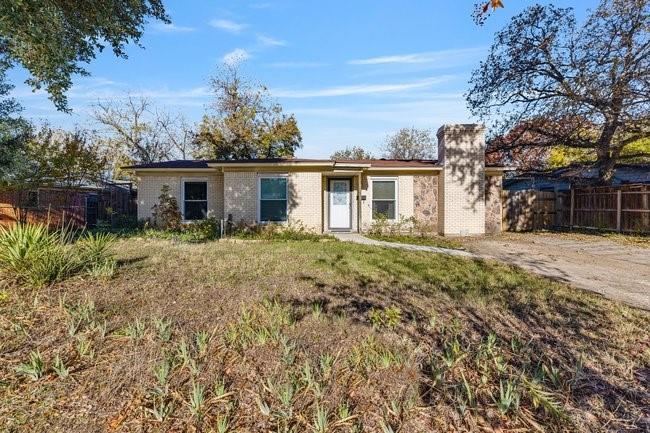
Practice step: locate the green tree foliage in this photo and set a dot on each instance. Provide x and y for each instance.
(58, 158)
(13, 129)
(53, 38)
(245, 122)
(353, 152)
(410, 143)
(550, 82)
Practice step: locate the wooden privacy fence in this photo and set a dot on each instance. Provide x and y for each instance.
(624, 208)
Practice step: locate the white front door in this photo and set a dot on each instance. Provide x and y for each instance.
(339, 199)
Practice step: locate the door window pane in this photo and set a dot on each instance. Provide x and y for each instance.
(340, 192)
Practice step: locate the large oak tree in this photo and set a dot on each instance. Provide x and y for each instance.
(245, 122)
(549, 81)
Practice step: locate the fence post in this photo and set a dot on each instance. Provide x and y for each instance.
(572, 207)
(619, 200)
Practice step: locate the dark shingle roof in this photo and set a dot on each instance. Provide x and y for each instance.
(197, 164)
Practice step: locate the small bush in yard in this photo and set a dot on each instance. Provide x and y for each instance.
(166, 213)
(293, 231)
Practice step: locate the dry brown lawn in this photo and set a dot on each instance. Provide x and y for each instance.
(318, 336)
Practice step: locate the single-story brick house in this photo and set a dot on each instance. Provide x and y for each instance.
(454, 195)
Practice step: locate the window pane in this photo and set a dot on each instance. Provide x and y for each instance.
(196, 210)
(273, 210)
(273, 188)
(385, 208)
(196, 191)
(383, 189)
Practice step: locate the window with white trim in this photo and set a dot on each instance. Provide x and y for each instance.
(272, 198)
(195, 200)
(384, 198)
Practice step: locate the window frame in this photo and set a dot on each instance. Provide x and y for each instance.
(261, 176)
(395, 181)
(207, 194)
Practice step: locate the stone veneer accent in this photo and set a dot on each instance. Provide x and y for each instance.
(493, 209)
(425, 202)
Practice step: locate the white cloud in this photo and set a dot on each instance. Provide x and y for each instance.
(268, 41)
(297, 64)
(360, 89)
(445, 56)
(236, 56)
(171, 28)
(228, 26)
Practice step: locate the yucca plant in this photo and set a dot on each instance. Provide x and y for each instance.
(59, 368)
(202, 338)
(163, 328)
(94, 247)
(35, 255)
(85, 348)
(161, 409)
(197, 401)
(508, 397)
(161, 372)
(320, 422)
(35, 368)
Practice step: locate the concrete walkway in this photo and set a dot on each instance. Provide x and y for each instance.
(359, 239)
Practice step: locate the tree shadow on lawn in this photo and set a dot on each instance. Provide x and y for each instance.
(565, 327)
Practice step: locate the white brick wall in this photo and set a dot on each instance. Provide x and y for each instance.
(461, 195)
(240, 195)
(305, 199)
(149, 186)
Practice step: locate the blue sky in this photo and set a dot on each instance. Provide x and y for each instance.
(351, 71)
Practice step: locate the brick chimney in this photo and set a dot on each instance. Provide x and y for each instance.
(461, 188)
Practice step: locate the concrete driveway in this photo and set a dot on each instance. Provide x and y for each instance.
(614, 270)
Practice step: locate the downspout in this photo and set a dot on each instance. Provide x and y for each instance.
(359, 185)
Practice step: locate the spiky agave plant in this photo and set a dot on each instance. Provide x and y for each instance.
(35, 255)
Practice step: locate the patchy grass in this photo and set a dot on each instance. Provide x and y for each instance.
(629, 239)
(317, 336)
(431, 241)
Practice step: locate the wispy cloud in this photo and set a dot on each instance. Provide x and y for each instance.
(297, 64)
(228, 26)
(268, 41)
(443, 56)
(360, 89)
(171, 28)
(236, 56)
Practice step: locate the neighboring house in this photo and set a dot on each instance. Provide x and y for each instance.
(81, 206)
(455, 195)
(562, 179)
